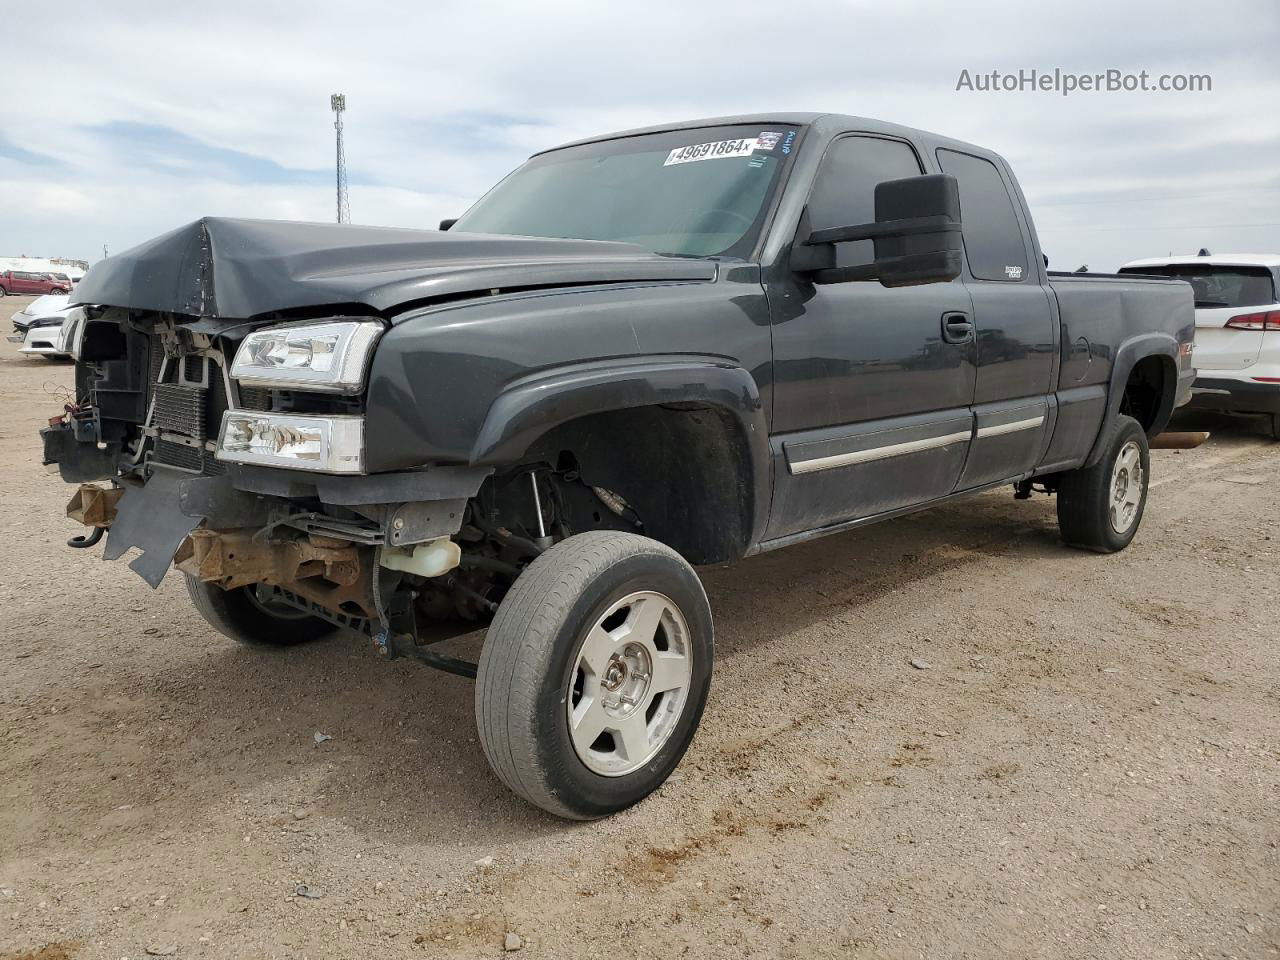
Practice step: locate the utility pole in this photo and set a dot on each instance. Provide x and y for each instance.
(338, 103)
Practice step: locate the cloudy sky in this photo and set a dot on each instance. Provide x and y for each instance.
(121, 121)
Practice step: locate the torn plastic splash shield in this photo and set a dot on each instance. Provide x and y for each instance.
(150, 518)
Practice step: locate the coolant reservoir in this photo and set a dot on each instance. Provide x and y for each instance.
(430, 559)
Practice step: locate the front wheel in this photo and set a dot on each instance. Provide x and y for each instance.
(1100, 507)
(594, 674)
(240, 615)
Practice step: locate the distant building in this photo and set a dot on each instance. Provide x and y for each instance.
(75, 269)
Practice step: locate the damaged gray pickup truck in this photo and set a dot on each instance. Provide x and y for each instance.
(665, 347)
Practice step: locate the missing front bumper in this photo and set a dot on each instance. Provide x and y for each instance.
(336, 574)
(94, 506)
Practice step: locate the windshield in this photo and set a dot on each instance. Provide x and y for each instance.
(1219, 286)
(694, 193)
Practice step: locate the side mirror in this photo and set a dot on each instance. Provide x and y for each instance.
(916, 235)
(446, 224)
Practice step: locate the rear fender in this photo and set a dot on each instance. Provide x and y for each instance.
(1127, 357)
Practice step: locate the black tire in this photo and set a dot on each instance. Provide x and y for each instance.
(1085, 496)
(238, 615)
(525, 687)
(1275, 426)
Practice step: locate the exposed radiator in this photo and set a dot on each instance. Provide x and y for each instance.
(181, 409)
(193, 411)
(188, 458)
(254, 398)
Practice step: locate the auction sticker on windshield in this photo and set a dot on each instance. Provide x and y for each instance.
(712, 151)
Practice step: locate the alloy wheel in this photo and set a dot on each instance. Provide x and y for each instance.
(629, 684)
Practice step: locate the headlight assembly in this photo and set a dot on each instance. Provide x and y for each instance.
(328, 444)
(330, 357)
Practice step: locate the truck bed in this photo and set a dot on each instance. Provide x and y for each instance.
(1100, 312)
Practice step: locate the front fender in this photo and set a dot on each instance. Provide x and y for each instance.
(444, 376)
(533, 405)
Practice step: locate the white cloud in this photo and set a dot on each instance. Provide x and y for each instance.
(446, 97)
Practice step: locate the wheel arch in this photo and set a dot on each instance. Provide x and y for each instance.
(685, 438)
(1144, 382)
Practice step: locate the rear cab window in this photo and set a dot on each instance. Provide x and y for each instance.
(993, 241)
(1219, 285)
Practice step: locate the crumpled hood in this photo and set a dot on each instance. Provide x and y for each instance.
(239, 269)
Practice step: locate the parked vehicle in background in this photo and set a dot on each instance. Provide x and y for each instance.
(45, 306)
(1237, 328)
(23, 282)
(39, 326)
(62, 278)
(659, 348)
(46, 338)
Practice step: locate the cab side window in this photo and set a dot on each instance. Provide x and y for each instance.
(844, 193)
(993, 240)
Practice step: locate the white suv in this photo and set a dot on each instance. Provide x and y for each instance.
(1237, 328)
(39, 327)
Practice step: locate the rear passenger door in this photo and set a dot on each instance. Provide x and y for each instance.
(1017, 342)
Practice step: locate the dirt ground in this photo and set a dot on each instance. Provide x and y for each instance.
(1089, 767)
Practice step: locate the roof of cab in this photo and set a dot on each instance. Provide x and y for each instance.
(833, 120)
(1271, 260)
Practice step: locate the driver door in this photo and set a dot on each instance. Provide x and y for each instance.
(873, 385)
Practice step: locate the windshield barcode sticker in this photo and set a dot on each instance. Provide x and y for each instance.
(711, 151)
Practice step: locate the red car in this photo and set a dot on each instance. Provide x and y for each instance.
(20, 281)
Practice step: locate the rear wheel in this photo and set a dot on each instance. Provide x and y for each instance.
(1100, 507)
(594, 674)
(1275, 426)
(240, 615)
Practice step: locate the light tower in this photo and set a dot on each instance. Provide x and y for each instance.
(338, 103)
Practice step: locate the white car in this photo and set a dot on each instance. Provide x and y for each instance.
(1237, 350)
(39, 326)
